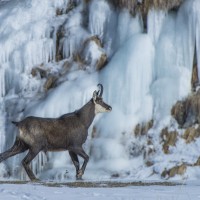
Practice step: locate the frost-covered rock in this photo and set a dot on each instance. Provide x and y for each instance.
(191, 134)
(93, 53)
(177, 170)
(186, 112)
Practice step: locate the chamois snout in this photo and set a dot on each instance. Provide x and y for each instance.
(107, 107)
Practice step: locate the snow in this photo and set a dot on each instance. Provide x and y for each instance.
(36, 192)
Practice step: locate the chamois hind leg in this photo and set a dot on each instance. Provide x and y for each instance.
(75, 161)
(27, 160)
(18, 147)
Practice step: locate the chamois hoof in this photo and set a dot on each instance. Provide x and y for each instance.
(35, 180)
(79, 178)
(79, 175)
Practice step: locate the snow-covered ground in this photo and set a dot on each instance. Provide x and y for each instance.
(146, 73)
(38, 192)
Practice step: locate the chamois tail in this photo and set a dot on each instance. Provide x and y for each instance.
(15, 123)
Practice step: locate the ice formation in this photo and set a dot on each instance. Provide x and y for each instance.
(145, 75)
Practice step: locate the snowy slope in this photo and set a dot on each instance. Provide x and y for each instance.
(36, 192)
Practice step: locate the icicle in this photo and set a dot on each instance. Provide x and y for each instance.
(38, 164)
(55, 35)
(155, 22)
(196, 26)
(98, 16)
(2, 127)
(2, 82)
(185, 35)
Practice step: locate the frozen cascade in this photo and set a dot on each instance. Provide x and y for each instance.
(26, 38)
(155, 23)
(127, 79)
(99, 18)
(25, 42)
(2, 127)
(173, 58)
(105, 21)
(195, 23)
(128, 86)
(75, 35)
(146, 74)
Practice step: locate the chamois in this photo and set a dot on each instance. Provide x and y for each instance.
(67, 132)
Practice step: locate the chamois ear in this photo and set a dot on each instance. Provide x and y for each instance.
(94, 96)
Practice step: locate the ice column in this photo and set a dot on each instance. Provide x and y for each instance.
(155, 22)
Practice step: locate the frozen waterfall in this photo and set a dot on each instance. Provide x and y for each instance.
(145, 75)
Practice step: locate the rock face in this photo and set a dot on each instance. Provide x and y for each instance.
(41, 71)
(169, 138)
(93, 54)
(145, 5)
(177, 170)
(59, 35)
(50, 82)
(191, 134)
(179, 113)
(195, 78)
(142, 129)
(186, 112)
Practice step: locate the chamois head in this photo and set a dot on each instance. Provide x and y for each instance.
(100, 105)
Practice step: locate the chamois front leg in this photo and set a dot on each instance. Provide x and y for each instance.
(79, 151)
(75, 161)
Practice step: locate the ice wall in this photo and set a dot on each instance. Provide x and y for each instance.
(25, 41)
(127, 79)
(146, 73)
(194, 27)
(174, 39)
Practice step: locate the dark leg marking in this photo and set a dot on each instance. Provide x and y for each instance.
(27, 160)
(75, 161)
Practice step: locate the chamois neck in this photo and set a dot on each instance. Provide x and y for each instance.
(87, 113)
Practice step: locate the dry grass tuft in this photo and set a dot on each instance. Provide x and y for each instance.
(177, 170)
(142, 129)
(191, 134)
(168, 139)
(187, 112)
(146, 5)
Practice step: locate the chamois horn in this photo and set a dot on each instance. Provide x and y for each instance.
(100, 92)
